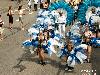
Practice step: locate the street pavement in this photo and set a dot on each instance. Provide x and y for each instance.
(4, 5)
(96, 60)
(14, 60)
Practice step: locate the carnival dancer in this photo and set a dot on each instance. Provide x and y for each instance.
(72, 56)
(40, 50)
(77, 40)
(46, 44)
(38, 43)
(90, 13)
(88, 35)
(94, 20)
(1, 29)
(56, 16)
(62, 23)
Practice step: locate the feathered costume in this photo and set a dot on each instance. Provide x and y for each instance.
(46, 20)
(75, 56)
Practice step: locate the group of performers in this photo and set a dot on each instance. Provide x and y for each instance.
(73, 46)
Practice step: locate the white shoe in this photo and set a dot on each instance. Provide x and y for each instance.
(66, 69)
(69, 70)
(17, 20)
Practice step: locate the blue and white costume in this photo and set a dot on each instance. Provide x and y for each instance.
(75, 29)
(43, 13)
(95, 42)
(33, 33)
(27, 43)
(98, 11)
(55, 16)
(52, 42)
(43, 19)
(74, 34)
(75, 56)
(32, 43)
(92, 20)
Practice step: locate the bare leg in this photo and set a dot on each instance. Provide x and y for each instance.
(1, 37)
(22, 28)
(10, 25)
(41, 56)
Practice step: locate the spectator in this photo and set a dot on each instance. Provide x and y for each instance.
(20, 12)
(10, 14)
(19, 1)
(88, 36)
(41, 4)
(1, 29)
(35, 4)
(29, 5)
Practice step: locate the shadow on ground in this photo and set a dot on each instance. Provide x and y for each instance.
(27, 56)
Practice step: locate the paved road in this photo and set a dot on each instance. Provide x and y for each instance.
(96, 60)
(17, 61)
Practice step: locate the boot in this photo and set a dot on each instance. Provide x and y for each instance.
(43, 63)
